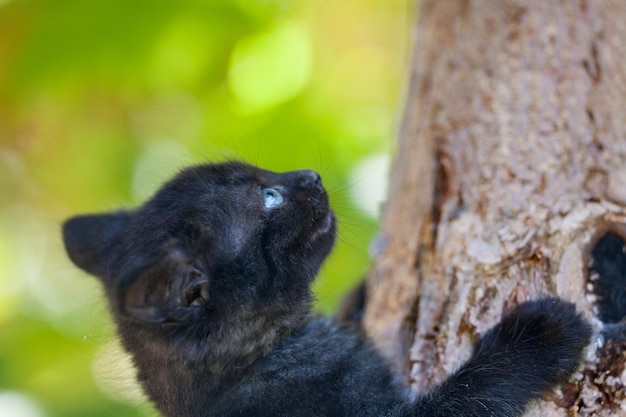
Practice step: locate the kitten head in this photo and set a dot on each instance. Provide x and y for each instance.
(215, 241)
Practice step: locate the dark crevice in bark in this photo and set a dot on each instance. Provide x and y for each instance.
(607, 276)
(441, 190)
(410, 326)
(593, 68)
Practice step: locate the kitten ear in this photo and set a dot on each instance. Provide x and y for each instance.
(165, 290)
(91, 239)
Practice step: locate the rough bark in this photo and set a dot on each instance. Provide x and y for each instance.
(511, 164)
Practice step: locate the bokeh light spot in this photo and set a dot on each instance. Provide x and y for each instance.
(369, 182)
(17, 404)
(271, 67)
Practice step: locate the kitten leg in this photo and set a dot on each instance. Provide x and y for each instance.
(534, 348)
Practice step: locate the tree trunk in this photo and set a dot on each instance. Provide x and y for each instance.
(511, 167)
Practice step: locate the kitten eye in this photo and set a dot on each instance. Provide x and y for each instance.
(271, 197)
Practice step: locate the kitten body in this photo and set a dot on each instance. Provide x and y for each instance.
(209, 284)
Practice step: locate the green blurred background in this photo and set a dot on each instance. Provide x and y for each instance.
(101, 100)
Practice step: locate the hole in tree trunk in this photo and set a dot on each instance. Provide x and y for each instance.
(607, 274)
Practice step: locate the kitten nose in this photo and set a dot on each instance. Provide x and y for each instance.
(308, 179)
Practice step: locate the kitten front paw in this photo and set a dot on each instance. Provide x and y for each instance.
(544, 338)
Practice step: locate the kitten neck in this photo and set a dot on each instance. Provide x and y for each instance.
(170, 367)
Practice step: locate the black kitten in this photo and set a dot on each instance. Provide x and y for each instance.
(209, 283)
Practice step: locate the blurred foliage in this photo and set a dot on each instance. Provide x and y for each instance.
(101, 100)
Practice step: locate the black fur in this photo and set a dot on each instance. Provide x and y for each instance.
(210, 290)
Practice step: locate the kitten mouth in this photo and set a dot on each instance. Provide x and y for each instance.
(324, 225)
